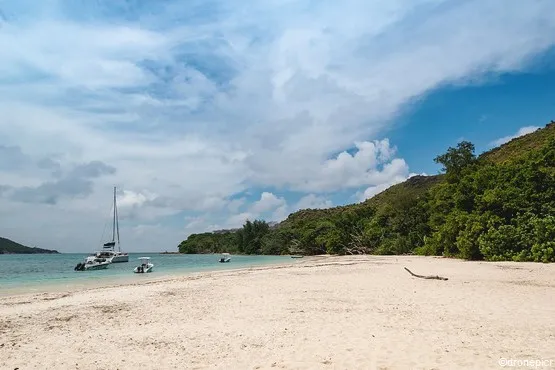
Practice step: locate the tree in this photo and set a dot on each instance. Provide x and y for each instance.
(249, 238)
(499, 206)
(455, 160)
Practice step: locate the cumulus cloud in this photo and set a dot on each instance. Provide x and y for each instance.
(312, 201)
(521, 132)
(234, 204)
(238, 220)
(196, 104)
(267, 202)
(371, 164)
(274, 209)
(376, 189)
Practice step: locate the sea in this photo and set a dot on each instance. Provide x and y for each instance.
(35, 273)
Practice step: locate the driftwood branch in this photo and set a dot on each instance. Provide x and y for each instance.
(357, 244)
(426, 277)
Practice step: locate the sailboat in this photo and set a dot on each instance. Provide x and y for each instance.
(108, 250)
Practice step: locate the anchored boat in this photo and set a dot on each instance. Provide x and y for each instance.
(92, 263)
(144, 267)
(225, 258)
(109, 251)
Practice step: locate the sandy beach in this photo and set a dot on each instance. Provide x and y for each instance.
(362, 312)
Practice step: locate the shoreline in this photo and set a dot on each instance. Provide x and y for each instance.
(343, 312)
(81, 280)
(96, 282)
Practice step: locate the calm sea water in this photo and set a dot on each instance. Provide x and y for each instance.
(34, 272)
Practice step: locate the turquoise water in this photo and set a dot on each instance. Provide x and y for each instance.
(33, 272)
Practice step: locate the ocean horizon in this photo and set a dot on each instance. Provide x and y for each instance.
(28, 273)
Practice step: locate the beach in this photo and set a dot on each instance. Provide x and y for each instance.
(359, 312)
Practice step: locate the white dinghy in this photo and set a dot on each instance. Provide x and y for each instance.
(144, 267)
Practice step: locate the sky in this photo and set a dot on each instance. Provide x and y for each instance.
(206, 113)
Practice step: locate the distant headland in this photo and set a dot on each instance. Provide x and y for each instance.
(8, 246)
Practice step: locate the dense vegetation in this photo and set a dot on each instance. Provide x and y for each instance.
(8, 247)
(498, 206)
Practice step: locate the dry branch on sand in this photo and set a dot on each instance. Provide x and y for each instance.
(426, 277)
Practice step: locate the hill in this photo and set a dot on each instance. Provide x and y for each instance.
(497, 206)
(8, 246)
(517, 148)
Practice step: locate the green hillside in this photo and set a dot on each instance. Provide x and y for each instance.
(497, 206)
(8, 246)
(519, 147)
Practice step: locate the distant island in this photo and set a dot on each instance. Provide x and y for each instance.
(8, 246)
(497, 206)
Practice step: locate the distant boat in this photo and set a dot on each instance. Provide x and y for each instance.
(297, 256)
(225, 258)
(109, 251)
(144, 267)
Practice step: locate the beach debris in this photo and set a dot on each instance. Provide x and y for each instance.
(426, 277)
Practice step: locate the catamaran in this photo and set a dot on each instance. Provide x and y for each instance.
(109, 251)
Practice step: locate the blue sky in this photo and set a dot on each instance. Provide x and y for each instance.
(481, 114)
(206, 113)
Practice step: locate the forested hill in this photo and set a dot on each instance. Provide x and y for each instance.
(496, 206)
(8, 246)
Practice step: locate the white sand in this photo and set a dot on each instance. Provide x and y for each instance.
(327, 313)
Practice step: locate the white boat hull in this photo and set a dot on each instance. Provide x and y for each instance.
(113, 256)
(143, 269)
(92, 263)
(120, 258)
(100, 266)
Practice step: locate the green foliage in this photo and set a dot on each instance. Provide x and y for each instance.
(521, 146)
(456, 160)
(498, 206)
(249, 238)
(8, 246)
(497, 211)
(209, 243)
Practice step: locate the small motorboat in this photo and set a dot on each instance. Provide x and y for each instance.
(92, 263)
(296, 256)
(144, 267)
(225, 258)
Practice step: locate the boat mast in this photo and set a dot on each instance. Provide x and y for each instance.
(116, 218)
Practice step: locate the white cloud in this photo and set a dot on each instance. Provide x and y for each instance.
(193, 223)
(132, 198)
(312, 201)
(239, 220)
(521, 132)
(352, 171)
(280, 214)
(267, 202)
(276, 208)
(192, 109)
(234, 204)
(376, 189)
